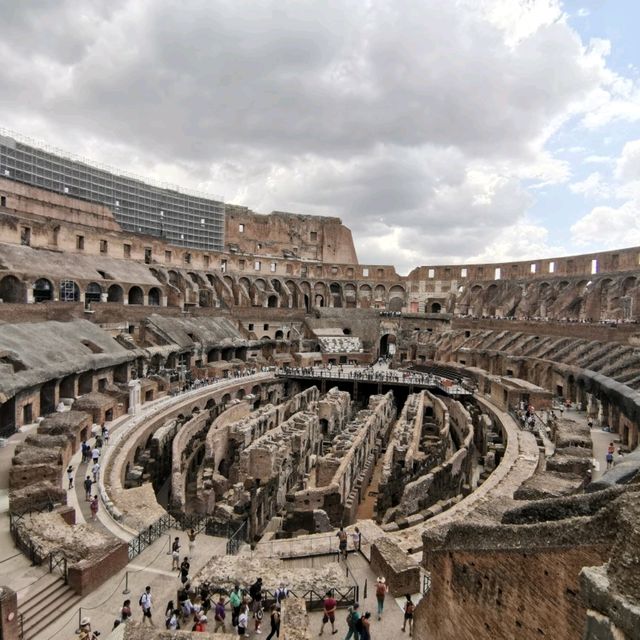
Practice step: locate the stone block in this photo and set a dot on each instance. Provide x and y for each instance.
(400, 571)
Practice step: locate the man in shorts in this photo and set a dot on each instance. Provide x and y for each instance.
(342, 542)
(408, 614)
(329, 612)
(145, 603)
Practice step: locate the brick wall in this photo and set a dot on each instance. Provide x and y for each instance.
(89, 574)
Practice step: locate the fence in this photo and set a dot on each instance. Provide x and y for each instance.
(198, 522)
(36, 553)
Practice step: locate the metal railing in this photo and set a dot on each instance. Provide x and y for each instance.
(236, 539)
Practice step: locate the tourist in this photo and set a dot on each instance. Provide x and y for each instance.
(105, 434)
(200, 623)
(184, 571)
(353, 623)
(175, 554)
(609, 458)
(219, 616)
(192, 542)
(274, 619)
(84, 633)
(356, 536)
(93, 506)
(408, 614)
(88, 483)
(145, 603)
(258, 615)
(255, 591)
(86, 451)
(329, 612)
(365, 629)
(95, 470)
(95, 454)
(342, 542)
(381, 592)
(235, 600)
(70, 476)
(281, 593)
(172, 620)
(243, 620)
(125, 611)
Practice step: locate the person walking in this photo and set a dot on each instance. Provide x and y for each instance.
(184, 570)
(235, 600)
(70, 476)
(329, 612)
(365, 628)
(381, 592)
(243, 620)
(408, 614)
(96, 471)
(94, 507)
(342, 542)
(146, 603)
(274, 619)
(356, 536)
(192, 543)
(175, 554)
(353, 623)
(219, 616)
(88, 483)
(125, 611)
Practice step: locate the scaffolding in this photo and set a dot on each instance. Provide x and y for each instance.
(177, 215)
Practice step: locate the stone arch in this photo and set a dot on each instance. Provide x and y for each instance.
(272, 301)
(226, 399)
(12, 290)
(135, 295)
(174, 278)
(240, 394)
(350, 295)
(366, 294)
(436, 307)
(279, 334)
(336, 294)
(628, 284)
(387, 346)
(379, 292)
(42, 290)
(395, 304)
(277, 285)
(154, 297)
(115, 293)
(93, 293)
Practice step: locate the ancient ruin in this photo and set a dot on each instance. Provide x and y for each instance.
(270, 390)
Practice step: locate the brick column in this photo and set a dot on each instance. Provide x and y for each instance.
(9, 624)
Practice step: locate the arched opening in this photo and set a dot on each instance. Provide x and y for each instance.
(279, 334)
(272, 302)
(306, 303)
(395, 304)
(69, 291)
(387, 345)
(42, 290)
(226, 399)
(48, 397)
(93, 293)
(436, 307)
(240, 394)
(336, 294)
(319, 301)
(12, 290)
(135, 296)
(115, 293)
(154, 297)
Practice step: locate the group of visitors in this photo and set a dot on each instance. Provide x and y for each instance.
(358, 623)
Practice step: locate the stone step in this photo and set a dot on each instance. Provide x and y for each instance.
(45, 607)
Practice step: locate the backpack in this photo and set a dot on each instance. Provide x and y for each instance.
(381, 590)
(408, 608)
(359, 626)
(140, 601)
(350, 618)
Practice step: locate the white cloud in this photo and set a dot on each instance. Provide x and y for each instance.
(593, 186)
(609, 226)
(419, 123)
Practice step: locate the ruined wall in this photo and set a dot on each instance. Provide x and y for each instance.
(345, 469)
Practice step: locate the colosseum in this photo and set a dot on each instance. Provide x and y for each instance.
(188, 381)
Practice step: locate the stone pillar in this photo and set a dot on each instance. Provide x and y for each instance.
(134, 397)
(30, 299)
(163, 301)
(104, 296)
(145, 299)
(9, 622)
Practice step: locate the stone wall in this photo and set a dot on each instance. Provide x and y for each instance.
(401, 572)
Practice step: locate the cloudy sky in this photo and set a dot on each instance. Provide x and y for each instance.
(438, 130)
